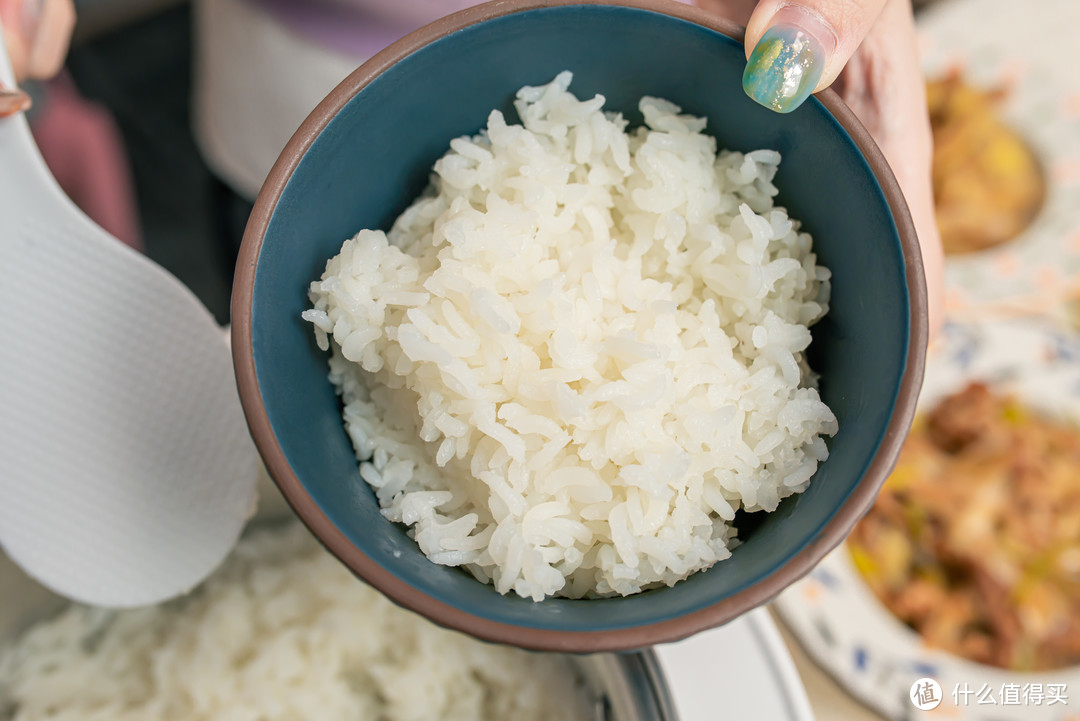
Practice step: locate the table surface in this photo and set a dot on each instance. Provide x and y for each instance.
(828, 699)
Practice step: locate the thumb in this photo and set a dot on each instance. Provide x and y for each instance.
(15, 22)
(36, 33)
(800, 46)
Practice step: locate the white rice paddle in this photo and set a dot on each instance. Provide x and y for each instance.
(126, 469)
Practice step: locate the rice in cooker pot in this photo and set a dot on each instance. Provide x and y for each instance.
(281, 632)
(581, 351)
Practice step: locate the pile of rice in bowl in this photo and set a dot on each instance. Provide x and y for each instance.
(281, 632)
(581, 351)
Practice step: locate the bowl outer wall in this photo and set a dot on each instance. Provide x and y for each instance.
(611, 636)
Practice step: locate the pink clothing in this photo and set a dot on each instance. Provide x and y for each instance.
(82, 147)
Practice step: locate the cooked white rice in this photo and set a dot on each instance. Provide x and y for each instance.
(281, 632)
(581, 351)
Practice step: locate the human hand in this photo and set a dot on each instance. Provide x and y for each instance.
(866, 50)
(36, 34)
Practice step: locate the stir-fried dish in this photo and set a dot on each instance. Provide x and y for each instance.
(974, 541)
(988, 185)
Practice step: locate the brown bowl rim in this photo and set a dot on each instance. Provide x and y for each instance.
(623, 639)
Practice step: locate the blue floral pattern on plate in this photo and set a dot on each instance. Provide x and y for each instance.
(851, 635)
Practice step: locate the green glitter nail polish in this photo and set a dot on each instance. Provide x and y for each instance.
(784, 68)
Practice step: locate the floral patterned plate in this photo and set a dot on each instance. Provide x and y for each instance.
(878, 659)
(1030, 49)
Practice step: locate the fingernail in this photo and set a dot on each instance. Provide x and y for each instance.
(787, 62)
(13, 100)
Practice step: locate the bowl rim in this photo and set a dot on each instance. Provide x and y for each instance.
(623, 639)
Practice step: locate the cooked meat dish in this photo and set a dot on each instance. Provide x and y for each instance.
(974, 541)
(988, 184)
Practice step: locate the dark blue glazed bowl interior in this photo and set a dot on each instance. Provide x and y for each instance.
(375, 157)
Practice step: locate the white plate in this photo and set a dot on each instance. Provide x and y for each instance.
(847, 631)
(1030, 49)
(740, 671)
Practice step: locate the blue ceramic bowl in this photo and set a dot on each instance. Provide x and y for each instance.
(366, 152)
